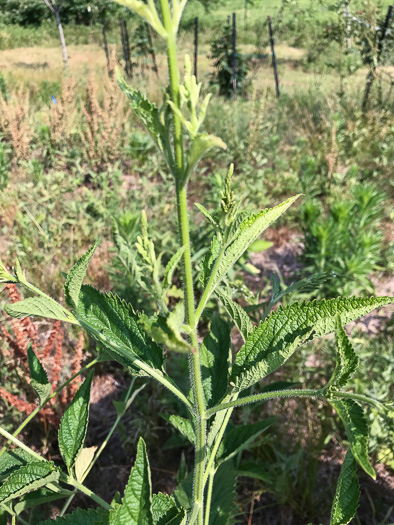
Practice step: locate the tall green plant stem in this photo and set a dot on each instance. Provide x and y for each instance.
(41, 406)
(183, 222)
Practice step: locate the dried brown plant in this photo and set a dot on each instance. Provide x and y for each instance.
(104, 132)
(63, 116)
(51, 356)
(16, 124)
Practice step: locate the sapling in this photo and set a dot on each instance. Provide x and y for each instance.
(218, 383)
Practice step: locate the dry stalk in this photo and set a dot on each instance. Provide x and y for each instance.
(15, 123)
(63, 115)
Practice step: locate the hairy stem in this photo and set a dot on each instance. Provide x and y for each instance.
(208, 289)
(212, 473)
(183, 223)
(41, 406)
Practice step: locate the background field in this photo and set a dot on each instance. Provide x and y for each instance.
(71, 168)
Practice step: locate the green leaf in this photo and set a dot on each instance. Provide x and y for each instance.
(346, 359)
(208, 216)
(39, 497)
(167, 330)
(237, 314)
(184, 426)
(113, 323)
(276, 339)
(215, 361)
(165, 510)
(74, 423)
(136, 503)
(80, 517)
(356, 428)
(38, 306)
(76, 276)
(171, 267)
(223, 496)
(256, 471)
(146, 111)
(347, 494)
(260, 246)
(28, 478)
(209, 260)
(39, 378)
(12, 460)
(200, 146)
(239, 438)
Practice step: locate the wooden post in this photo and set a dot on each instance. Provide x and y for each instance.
(152, 50)
(372, 74)
(126, 46)
(105, 44)
(234, 64)
(274, 64)
(196, 47)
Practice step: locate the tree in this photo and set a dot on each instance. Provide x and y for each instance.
(55, 8)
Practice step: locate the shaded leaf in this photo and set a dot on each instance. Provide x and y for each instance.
(28, 478)
(200, 146)
(135, 508)
(12, 460)
(239, 438)
(76, 276)
(215, 361)
(171, 267)
(223, 496)
(237, 314)
(356, 428)
(276, 339)
(74, 423)
(184, 426)
(165, 510)
(39, 497)
(346, 358)
(347, 494)
(167, 330)
(208, 216)
(39, 378)
(80, 517)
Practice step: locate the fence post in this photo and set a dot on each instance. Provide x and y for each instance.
(234, 64)
(105, 44)
(126, 47)
(196, 47)
(274, 64)
(372, 74)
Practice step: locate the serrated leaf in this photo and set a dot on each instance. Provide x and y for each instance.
(239, 438)
(39, 497)
(80, 517)
(113, 323)
(11, 461)
(247, 232)
(28, 478)
(136, 503)
(346, 359)
(208, 216)
(184, 426)
(237, 314)
(83, 461)
(276, 339)
(37, 306)
(347, 494)
(215, 361)
(200, 146)
(76, 276)
(223, 495)
(165, 510)
(171, 267)
(39, 378)
(209, 260)
(74, 423)
(256, 471)
(167, 330)
(356, 428)
(146, 111)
